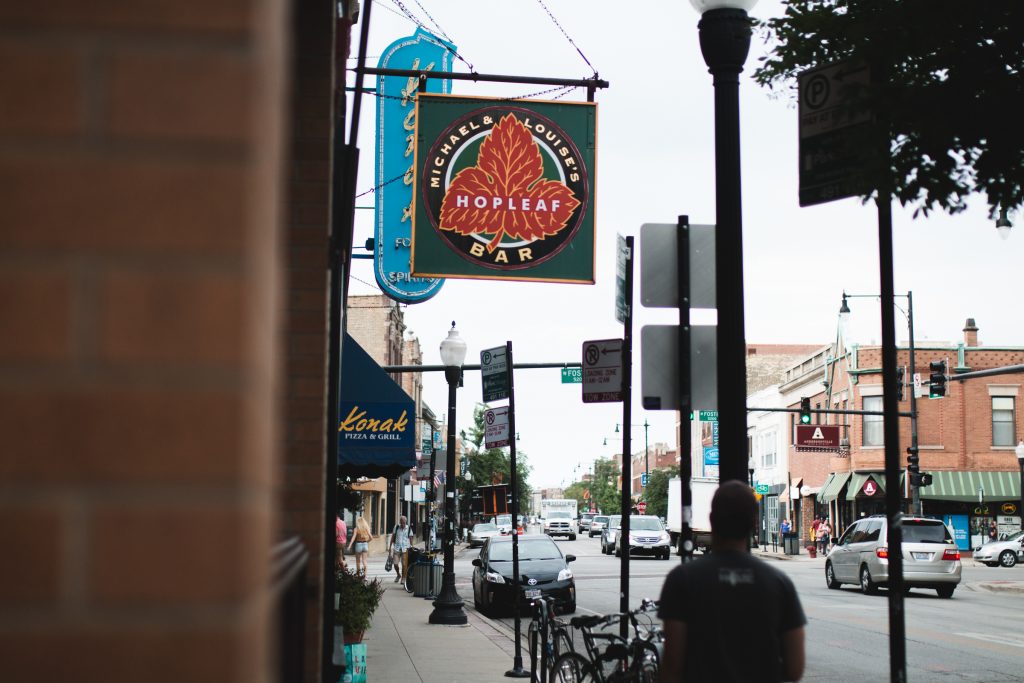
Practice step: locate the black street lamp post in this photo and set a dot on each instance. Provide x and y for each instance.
(448, 605)
(725, 31)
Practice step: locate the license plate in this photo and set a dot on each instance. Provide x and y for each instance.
(532, 593)
(647, 546)
(922, 556)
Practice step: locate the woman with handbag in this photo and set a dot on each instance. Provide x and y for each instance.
(361, 543)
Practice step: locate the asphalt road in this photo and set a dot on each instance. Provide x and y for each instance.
(977, 635)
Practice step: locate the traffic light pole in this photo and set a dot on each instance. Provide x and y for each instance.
(915, 482)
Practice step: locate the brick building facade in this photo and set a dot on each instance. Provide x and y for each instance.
(966, 440)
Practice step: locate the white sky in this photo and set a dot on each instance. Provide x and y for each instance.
(656, 161)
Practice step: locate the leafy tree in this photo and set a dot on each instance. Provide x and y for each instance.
(946, 90)
(604, 486)
(575, 491)
(490, 466)
(656, 492)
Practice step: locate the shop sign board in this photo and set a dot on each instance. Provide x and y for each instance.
(504, 190)
(817, 437)
(394, 171)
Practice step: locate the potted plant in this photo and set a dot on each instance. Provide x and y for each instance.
(357, 601)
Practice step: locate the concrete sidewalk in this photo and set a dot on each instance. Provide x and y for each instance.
(402, 646)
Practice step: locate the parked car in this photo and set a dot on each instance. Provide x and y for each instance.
(543, 570)
(481, 532)
(504, 523)
(861, 556)
(647, 536)
(608, 534)
(1006, 553)
(597, 525)
(584, 522)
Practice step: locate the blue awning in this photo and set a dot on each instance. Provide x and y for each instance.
(377, 427)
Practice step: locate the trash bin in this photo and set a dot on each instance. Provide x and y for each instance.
(421, 578)
(791, 544)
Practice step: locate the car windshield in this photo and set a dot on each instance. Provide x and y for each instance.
(588, 516)
(915, 531)
(614, 521)
(559, 515)
(645, 524)
(503, 519)
(529, 549)
(601, 520)
(484, 527)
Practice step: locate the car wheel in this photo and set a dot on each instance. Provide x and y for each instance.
(618, 553)
(476, 601)
(945, 592)
(665, 555)
(867, 586)
(830, 577)
(1007, 558)
(991, 564)
(572, 537)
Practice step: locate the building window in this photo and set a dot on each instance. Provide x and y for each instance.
(1003, 431)
(768, 449)
(873, 434)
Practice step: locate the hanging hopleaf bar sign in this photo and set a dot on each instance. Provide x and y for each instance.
(504, 190)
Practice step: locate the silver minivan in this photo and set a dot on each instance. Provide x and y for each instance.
(861, 556)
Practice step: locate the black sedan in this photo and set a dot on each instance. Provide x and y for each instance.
(543, 570)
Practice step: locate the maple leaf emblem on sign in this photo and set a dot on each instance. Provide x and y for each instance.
(504, 194)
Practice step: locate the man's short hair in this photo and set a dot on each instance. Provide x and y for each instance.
(733, 511)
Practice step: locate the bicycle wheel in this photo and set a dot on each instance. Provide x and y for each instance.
(573, 668)
(644, 662)
(533, 638)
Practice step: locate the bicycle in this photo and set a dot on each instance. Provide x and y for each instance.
(621, 660)
(548, 637)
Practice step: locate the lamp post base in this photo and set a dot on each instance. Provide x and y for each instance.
(448, 606)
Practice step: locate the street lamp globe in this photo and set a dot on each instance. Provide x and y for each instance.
(703, 6)
(453, 349)
(844, 311)
(1003, 224)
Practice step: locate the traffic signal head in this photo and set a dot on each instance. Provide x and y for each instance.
(913, 461)
(937, 379)
(805, 411)
(926, 479)
(900, 374)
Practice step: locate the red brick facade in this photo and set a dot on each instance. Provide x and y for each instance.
(140, 295)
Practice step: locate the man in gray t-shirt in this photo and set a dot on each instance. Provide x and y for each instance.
(730, 616)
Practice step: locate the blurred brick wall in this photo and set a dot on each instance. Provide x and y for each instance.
(140, 167)
(307, 222)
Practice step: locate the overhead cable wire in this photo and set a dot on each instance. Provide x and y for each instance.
(413, 18)
(566, 89)
(571, 42)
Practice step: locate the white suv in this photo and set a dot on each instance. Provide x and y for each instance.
(861, 556)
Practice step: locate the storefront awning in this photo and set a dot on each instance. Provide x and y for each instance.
(833, 485)
(964, 486)
(857, 480)
(377, 428)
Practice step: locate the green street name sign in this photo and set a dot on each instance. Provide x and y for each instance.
(572, 375)
(708, 415)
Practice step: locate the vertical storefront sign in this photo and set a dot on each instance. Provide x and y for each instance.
(396, 126)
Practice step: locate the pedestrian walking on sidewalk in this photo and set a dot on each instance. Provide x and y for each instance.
(341, 538)
(399, 545)
(825, 535)
(361, 542)
(705, 607)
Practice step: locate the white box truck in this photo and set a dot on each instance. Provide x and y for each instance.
(703, 489)
(558, 517)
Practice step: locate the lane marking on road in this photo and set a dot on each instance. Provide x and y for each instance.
(994, 638)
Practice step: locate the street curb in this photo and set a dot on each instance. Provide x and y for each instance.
(1016, 587)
